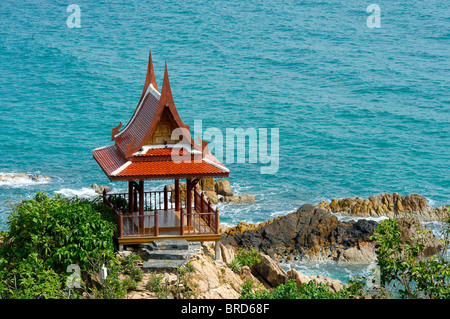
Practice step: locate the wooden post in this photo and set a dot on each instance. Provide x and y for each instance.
(104, 197)
(135, 199)
(166, 199)
(182, 222)
(189, 201)
(120, 225)
(130, 198)
(202, 201)
(217, 221)
(177, 195)
(156, 223)
(210, 211)
(141, 205)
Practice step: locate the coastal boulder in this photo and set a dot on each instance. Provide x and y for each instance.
(100, 188)
(223, 187)
(269, 270)
(246, 199)
(390, 205)
(207, 184)
(300, 279)
(309, 232)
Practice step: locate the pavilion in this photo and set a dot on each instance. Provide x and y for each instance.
(157, 145)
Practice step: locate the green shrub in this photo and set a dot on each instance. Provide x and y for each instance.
(45, 236)
(235, 265)
(248, 257)
(403, 267)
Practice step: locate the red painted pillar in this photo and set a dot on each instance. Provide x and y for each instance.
(130, 198)
(189, 201)
(177, 195)
(141, 205)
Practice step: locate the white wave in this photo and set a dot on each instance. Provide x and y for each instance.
(356, 218)
(431, 202)
(84, 192)
(12, 180)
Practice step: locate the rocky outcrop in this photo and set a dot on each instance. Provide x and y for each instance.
(313, 233)
(333, 284)
(387, 204)
(100, 188)
(243, 226)
(247, 199)
(310, 232)
(213, 279)
(223, 187)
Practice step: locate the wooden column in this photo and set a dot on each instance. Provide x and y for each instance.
(135, 197)
(166, 199)
(130, 197)
(189, 201)
(177, 195)
(141, 205)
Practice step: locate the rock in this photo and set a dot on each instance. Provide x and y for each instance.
(309, 231)
(334, 285)
(223, 187)
(389, 205)
(212, 280)
(270, 270)
(212, 196)
(228, 253)
(207, 184)
(241, 227)
(364, 254)
(246, 199)
(99, 188)
(412, 228)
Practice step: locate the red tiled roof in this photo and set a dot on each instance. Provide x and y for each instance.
(116, 166)
(169, 168)
(109, 158)
(138, 126)
(160, 152)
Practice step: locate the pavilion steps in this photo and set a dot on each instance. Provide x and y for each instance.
(167, 254)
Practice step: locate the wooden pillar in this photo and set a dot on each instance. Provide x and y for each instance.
(156, 222)
(166, 199)
(189, 201)
(141, 204)
(177, 195)
(130, 198)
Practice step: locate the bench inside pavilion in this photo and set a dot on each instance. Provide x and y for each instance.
(146, 149)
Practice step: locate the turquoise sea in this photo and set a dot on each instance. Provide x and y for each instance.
(360, 110)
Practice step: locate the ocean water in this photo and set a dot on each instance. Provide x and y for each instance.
(359, 110)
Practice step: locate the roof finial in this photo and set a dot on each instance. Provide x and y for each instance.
(166, 92)
(150, 78)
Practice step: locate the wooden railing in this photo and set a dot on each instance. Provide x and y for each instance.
(204, 218)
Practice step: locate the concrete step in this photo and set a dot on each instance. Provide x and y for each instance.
(167, 245)
(155, 264)
(168, 254)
